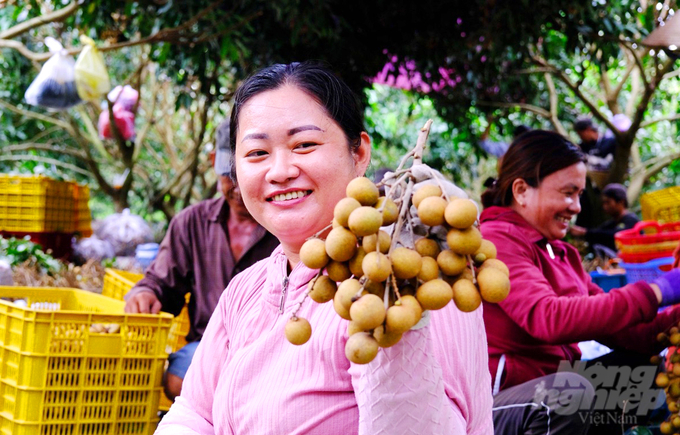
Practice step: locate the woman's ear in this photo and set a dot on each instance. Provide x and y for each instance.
(362, 154)
(519, 191)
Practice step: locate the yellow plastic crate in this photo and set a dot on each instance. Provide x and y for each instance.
(82, 217)
(661, 205)
(36, 204)
(59, 376)
(118, 282)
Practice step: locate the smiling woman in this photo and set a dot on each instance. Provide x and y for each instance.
(298, 140)
(553, 303)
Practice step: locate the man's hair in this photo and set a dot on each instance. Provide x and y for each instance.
(617, 192)
(584, 123)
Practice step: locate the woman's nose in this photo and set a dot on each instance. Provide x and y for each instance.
(575, 206)
(282, 169)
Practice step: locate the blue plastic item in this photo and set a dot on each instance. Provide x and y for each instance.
(607, 281)
(647, 271)
(145, 253)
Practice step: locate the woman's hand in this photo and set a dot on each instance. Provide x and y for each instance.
(144, 302)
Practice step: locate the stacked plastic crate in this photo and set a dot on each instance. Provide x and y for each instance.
(81, 211)
(118, 282)
(72, 362)
(39, 207)
(647, 249)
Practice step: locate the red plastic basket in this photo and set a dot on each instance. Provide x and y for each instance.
(647, 241)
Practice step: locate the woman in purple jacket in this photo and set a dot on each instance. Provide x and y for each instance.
(553, 303)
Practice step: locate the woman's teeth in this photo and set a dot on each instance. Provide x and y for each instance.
(290, 195)
(563, 220)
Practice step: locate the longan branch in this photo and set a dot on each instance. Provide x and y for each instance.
(421, 142)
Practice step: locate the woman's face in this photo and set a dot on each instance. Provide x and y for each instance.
(550, 206)
(293, 163)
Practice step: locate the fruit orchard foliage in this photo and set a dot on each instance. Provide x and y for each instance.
(481, 44)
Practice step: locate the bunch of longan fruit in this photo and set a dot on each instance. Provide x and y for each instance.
(670, 380)
(381, 278)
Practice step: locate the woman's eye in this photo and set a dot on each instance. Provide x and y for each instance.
(306, 145)
(256, 153)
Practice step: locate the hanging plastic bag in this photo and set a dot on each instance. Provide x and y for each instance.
(126, 96)
(55, 86)
(125, 121)
(92, 79)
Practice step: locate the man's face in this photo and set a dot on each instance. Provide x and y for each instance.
(588, 135)
(232, 194)
(610, 206)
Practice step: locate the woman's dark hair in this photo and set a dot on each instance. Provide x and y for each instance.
(531, 157)
(318, 81)
(617, 192)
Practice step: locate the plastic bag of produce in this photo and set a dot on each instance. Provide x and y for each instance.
(125, 96)
(92, 79)
(125, 231)
(125, 121)
(55, 86)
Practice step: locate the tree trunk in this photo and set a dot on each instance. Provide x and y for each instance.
(619, 170)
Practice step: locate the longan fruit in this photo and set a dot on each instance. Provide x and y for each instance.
(434, 295)
(343, 209)
(425, 191)
(352, 328)
(488, 249)
(451, 263)
(406, 263)
(347, 290)
(376, 266)
(494, 286)
(363, 190)
(429, 269)
(361, 348)
(390, 211)
(386, 339)
(367, 312)
(341, 244)
(322, 289)
(494, 263)
(298, 330)
(461, 213)
(412, 303)
(382, 239)
(338, 271)
(355, 262)
(466, 296)
(313, 254)
(464, 242)
(364, 221)
(427, 247)
(431, 210)
(662, 380)
(400, 318)
(375, 288)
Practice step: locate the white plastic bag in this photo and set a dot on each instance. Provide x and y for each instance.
(55, 86)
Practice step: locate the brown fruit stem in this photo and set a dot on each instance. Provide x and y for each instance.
(309, 289)
(471, 264)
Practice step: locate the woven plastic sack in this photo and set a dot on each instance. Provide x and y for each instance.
(92, 78)
(55, 86)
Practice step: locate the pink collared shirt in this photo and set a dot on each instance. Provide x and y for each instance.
(247, 379)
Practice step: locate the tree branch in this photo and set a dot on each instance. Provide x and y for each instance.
(55, 162)
(55, 16)
(663, 118)
(554, 105)
(36, 115)
(44, 147)
(528, 107)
